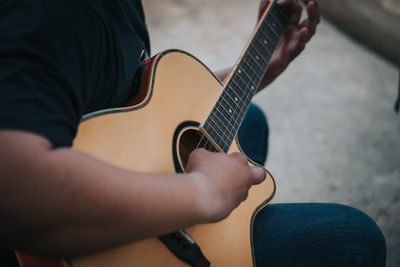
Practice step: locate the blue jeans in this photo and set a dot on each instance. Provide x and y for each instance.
(308, 234)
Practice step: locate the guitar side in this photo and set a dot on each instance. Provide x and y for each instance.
(179, 89)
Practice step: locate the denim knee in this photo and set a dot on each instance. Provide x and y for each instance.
(315, 234)
(364, 238)
(253, 134)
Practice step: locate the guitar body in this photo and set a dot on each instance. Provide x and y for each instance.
(159, 128)
(141, 138)
(177, 94)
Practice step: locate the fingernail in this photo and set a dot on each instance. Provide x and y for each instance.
(259, 170)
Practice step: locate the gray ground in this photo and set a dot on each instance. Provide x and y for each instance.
(334, 135)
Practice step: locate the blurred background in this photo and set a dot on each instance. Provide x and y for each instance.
(334, 135)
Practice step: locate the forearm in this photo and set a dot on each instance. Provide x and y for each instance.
(63, 202)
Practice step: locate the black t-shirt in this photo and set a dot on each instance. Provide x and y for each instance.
(62, 59)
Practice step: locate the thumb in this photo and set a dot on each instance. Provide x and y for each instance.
(259, 175)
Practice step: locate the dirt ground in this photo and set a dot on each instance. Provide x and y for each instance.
(334, 134)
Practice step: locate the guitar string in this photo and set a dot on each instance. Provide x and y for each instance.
(224, 99)
(227, 120)
(248, 74)
(242, 111)
(219, 127)
(207, 128)
(206, 143)
(232, 111)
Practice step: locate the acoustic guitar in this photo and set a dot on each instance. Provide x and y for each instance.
(183, 106)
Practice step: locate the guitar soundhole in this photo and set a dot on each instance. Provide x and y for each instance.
(191, 139)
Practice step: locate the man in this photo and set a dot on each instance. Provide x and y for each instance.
(62, 59)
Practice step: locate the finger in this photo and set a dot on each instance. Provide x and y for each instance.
(298, 44)
(198, 152)
(245, 196)
(197, 155)
(306, 1)
(314, 9)
(259, 175)
(302, 39)
(313, 18)
(262, 7)
(240, 157)
(310, 32)
(192, 157)
(295, 9)
(317, 13)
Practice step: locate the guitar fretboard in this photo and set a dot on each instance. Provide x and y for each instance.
(224, 120)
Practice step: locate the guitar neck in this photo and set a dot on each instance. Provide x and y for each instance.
(225, 118)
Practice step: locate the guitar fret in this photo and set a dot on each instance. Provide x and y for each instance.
(233, 110)
(255, 47)
(231, 106)
(270, 45)
(235, 98)
(245, 84)
(222, 118)
(239, 87)
(222, 131)
(216, 137)
(251, 80)
(276, 23)
(227, 133)
(258, 63)
(252, 60)
(225, 118)
(278, 18)
(251, 72)
(273, 30)
(240, 80)
(284, 12)
(246, 101)
(261, 45)
(271, 24)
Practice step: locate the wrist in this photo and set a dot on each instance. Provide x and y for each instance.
(208, 206)
(201, 196)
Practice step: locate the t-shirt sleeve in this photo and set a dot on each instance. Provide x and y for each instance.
(48, 53)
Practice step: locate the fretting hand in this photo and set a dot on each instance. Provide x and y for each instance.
(294, 37)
